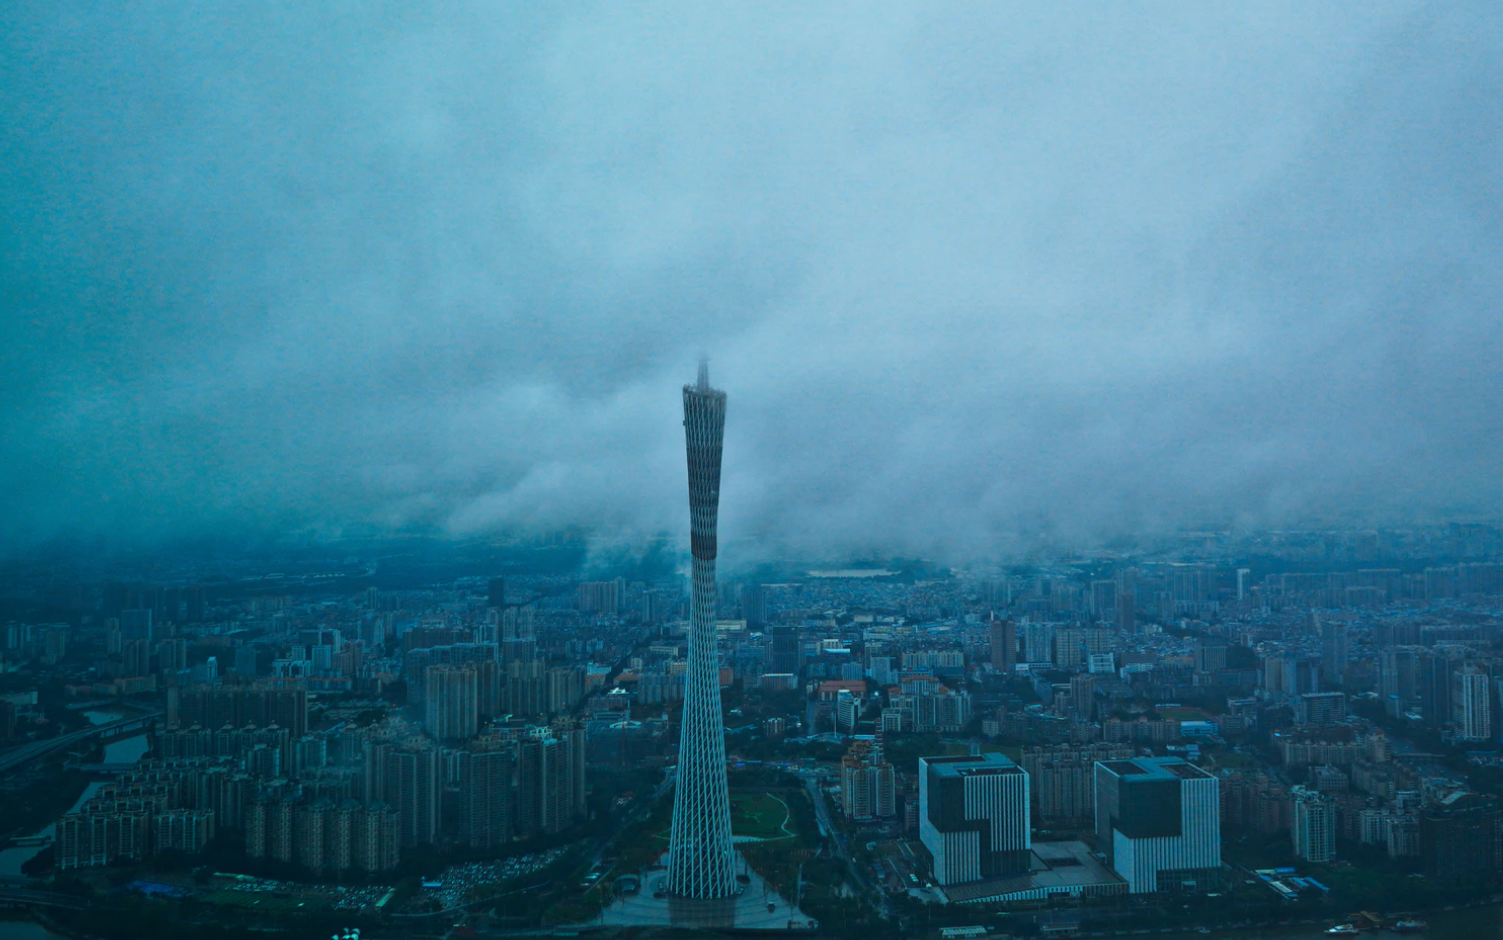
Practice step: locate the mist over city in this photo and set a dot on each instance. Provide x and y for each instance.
(848, 470)
(973, 274)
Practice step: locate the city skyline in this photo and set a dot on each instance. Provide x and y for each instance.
(1113, 540)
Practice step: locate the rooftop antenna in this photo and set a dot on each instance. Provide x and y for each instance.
(704, 373)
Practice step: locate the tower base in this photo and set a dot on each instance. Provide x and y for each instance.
(756, 907)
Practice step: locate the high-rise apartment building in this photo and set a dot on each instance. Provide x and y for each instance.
(1432, 675)
(526, 690)
(550, 779)
(1333, 652)
(701, 861)
(1210, 656)
(452, 705)
(973, 817)
(1158, 821)
(1313, 828)
(565, 687)
(1461, 839)
(407, 780)
(1472, 705)
(1004, 645)
(1061, 780)
(867, 782)
(485, 794)
(285, 705)
(1318, 709)
(137, 625)
(1038, 642)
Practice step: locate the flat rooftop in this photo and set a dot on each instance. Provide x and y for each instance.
(1057, 868)
(968, 765)
(1160, 767)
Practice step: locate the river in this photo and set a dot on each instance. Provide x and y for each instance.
(124, 751)
(26, 930)
(1476, 923)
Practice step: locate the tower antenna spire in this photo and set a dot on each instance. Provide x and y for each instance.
(704, 373)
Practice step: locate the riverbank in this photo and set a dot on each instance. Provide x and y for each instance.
(125, 751)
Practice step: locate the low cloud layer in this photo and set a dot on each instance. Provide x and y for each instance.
(969, 274)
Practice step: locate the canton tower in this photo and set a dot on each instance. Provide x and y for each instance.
(701, 862)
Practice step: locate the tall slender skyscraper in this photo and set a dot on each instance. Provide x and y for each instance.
(701, 862)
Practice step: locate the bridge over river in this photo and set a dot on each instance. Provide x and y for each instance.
(125, 727)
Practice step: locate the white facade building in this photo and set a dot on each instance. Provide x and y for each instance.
(973, 817)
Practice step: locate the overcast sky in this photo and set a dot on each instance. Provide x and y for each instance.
(967, 272)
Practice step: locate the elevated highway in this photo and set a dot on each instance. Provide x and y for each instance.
(111, 730)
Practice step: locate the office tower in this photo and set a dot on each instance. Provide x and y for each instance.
(1158, 821)
(485, 798)
(1333, 651)
(754, 604)
(1243, 576)
(495, 592)
(1473, 705)
(701, 862)
(847, 712)
(1314, 827)
(973, 817)
(1004, 643)
(452, 707)
(551, 780)
(787, 657)
(1127, 600)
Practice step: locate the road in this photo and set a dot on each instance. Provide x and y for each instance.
(873, 894)
(30, 898)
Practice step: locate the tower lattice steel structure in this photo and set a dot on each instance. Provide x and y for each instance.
(701, 862)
